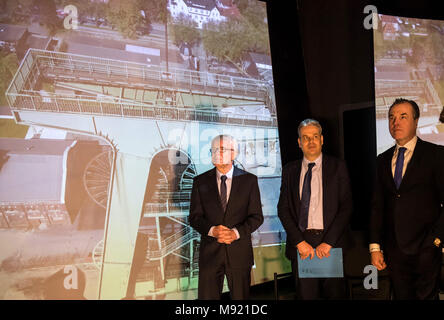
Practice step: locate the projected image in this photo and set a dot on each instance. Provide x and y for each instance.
(409, 63)
(109, 109)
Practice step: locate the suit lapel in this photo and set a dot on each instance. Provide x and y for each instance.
(415, 156)
(388, 168)
(296, 183)
(214, 189)
(325, 193)
(234, 187)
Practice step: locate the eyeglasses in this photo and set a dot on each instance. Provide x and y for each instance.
(306, 139)
(223, 150)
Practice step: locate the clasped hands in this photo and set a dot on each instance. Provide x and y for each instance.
(305, 250)
(224, 234)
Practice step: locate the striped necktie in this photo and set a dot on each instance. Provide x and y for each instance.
(305, 199)
(223, 192)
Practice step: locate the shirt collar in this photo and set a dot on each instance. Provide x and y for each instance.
(229, 174)
(410, 146)
(317, 161)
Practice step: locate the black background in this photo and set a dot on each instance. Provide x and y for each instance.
(322, 66)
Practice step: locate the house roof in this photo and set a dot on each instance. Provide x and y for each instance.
(34, 146)
(37, 42)
(260, 58)
(31, 169)
(390, 19)
(201, 4)
(109, 53)
(228, 9)
(11, 33)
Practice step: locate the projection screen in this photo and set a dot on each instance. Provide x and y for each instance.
(409, 63)
(108, 111)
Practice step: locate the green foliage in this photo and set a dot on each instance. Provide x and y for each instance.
(184, 30)
(226, 40)
(125, 16)
(229, 41)
(156, 9)
(86, 8)
(9, 129)
(8, 67)
(16, 11)
(48, 15)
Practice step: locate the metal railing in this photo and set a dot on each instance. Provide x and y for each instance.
(172, 243)
(38, 62)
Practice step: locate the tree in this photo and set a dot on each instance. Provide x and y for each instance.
(125, 16)
(155, 9)
(230, 40)
(185, 30)
(225, 40)
(48, 15)
(16, 11)
(8, 67)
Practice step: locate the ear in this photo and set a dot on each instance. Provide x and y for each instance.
(322, 140)
(234, 155)
(299, 143)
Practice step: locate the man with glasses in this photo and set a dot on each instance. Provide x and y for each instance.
(315, 206)
(225, 209)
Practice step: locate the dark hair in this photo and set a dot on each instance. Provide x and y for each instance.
(411, 102)
(441, 116)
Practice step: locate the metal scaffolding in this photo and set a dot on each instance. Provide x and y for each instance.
(85, 69)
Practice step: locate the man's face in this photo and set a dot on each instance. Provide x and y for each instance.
(222, 152)
(402, 126)
(311, 142)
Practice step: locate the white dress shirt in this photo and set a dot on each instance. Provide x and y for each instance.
(315, 213)
(228, 183)
(410, 146)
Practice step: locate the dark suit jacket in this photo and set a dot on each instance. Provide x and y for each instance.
(244, 212)
(337, 203)
(414, 212)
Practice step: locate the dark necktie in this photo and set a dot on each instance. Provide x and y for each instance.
(399, 167)
(305, 199)
(223, 192)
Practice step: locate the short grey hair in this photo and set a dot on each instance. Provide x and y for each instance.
(226, 137)
(309, 122)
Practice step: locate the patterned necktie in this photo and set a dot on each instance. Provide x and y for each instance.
(223, 192)
(399, 167)
(305, 199)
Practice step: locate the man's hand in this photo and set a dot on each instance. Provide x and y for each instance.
(219, 230)
(224, 234)
(378, 260)
(305, 250)
(323, 250)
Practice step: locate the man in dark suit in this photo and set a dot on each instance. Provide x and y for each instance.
(407, 220)
(315, 206)
(225, 209)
